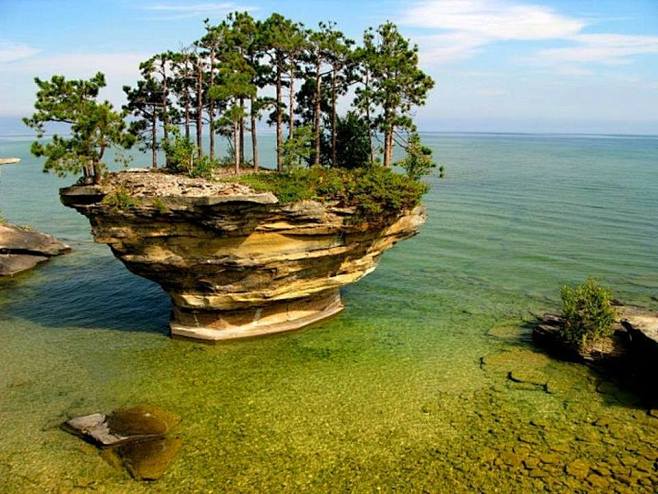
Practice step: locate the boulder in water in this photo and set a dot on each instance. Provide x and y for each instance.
(123, 425)
(22, 249)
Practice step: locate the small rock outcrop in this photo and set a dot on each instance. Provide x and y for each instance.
(22, 249)
(634, 337)
(236, 263)
(9, 161)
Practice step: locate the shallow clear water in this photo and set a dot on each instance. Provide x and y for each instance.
(406, 390)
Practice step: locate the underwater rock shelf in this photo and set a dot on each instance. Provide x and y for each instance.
(238, 263)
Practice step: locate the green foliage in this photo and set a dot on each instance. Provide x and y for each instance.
(588, 312)
(160, 205)
(352, 142)
(3, 220)
(183, 157)
(93, 127)
(120, 198)
(297, 149)
(418, 162)
(376, 192)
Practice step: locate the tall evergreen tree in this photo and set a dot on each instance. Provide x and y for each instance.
(93, 127)
(342, 73)
(283, 42)
(144, 102)
(395, 82)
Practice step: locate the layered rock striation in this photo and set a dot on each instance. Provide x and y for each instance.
(237, 263)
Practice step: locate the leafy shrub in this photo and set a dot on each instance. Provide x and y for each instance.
(376, 192)
(297, 149)
(120, 198)
(182, 156)
(160, 205)
(588, 312)
(418, 162)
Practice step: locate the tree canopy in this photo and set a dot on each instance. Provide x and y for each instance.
(241, 70)
(93, 126)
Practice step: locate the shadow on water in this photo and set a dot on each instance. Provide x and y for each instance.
(83, 291)
(627, 382)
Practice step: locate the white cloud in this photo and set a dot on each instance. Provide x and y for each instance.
(600, 48)
(492, 19)
(449, 47)
(463, 28)
(10, 51)
(119, 65)
(172, 11)
(119, 68)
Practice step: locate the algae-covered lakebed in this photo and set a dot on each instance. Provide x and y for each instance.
(406, 390)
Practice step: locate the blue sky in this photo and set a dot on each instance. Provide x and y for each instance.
(500, 65)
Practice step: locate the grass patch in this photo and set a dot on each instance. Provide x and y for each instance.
(120, 198)
(375, 192)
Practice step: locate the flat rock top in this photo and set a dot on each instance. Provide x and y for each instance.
(146, 183)
(15, 240)
(641, 319)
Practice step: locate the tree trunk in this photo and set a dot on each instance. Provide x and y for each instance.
(211, 109)
(291, 106)
(318, 108)
(187, 118)
(154, 140)
(279, 121)
(254, 142)
(236, 145)
(199, 109)
(388, 147)
(165, 98)
(187, 99)
(333, 117)
(372, 150)
(242, 131)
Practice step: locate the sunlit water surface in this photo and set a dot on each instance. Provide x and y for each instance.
(406, 390)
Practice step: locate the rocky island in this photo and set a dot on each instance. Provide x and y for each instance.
(236, 262)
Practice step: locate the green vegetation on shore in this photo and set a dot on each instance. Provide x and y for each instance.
(588, 312)
(374, 191)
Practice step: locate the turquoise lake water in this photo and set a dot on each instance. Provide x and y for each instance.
(405, 391)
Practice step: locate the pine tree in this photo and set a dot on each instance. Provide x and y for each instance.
(394, 82)
(145, 104)
(93, 127)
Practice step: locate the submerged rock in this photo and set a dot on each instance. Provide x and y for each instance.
(237, 263)
(123, 425)
(134, 437)
(149, 459)
(22, 249)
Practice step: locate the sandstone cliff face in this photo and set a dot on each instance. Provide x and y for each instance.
(237, 263)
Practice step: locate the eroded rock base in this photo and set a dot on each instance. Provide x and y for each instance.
(277, 317)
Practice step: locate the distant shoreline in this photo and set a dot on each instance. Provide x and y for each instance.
(574, 135)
